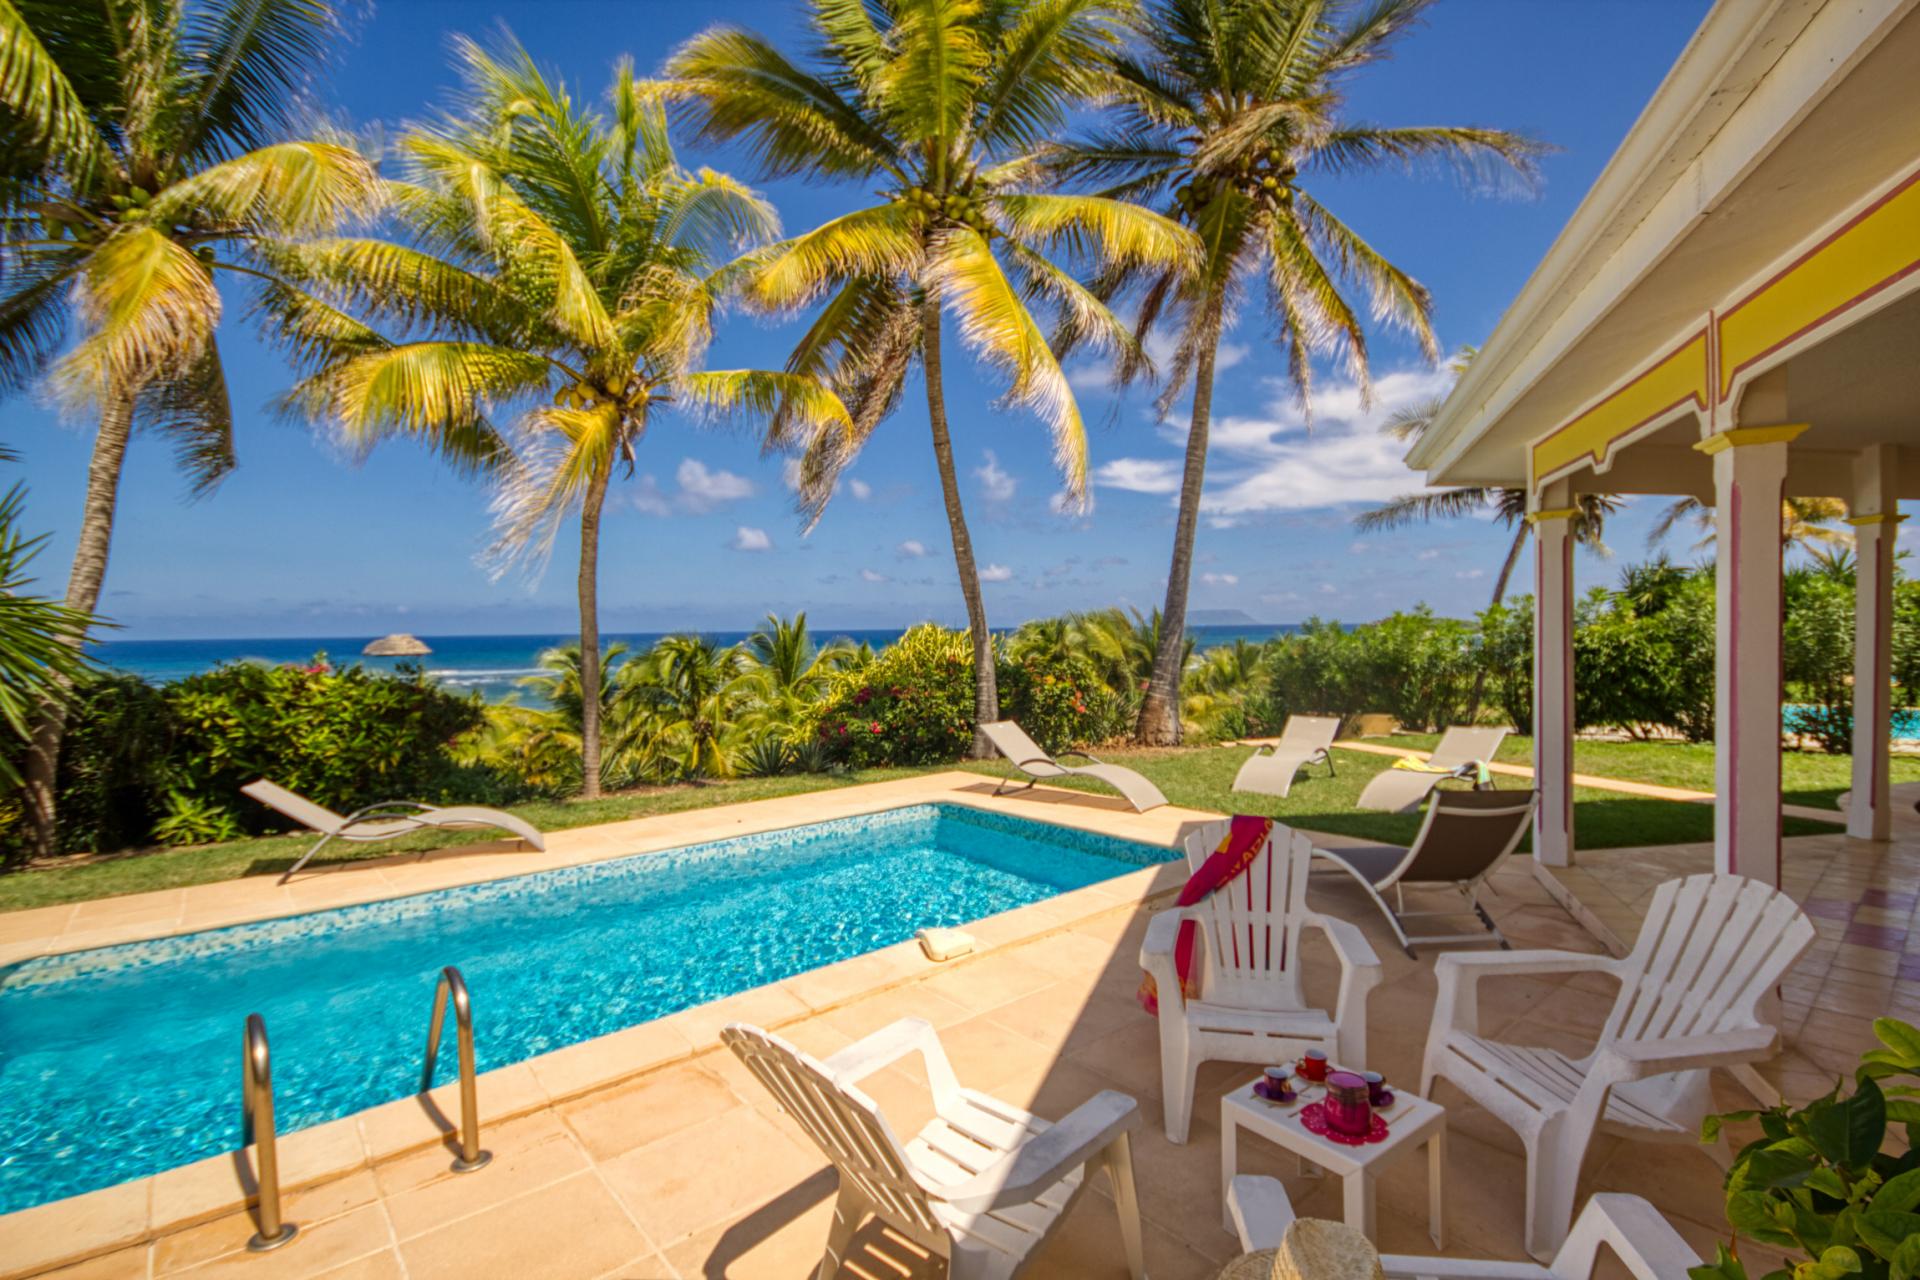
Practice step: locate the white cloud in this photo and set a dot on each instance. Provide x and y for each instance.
(860, 489)
(1468, 575)
(996, 482)
(1431, 553)
(1275, 463)
(1359, 548)
(1063, 503)
(1220, 579)
(702, 489)
(1140, 475)
(790, 474)
(996, 573)
(648, 500)
(912, 549)
(869, 575)
(747, 538)
(1328, 589)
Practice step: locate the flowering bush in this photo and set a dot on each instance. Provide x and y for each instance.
(911, 705)
(1056, 699)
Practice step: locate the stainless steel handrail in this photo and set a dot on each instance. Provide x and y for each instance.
(256, 1122)
(452, 985)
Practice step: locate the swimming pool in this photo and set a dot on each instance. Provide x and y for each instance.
(123, 1061)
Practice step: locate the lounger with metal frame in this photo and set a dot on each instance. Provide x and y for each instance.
(1011, 741)
(1460, 753)
(386, 820)
(1305, 740)
(1463, 839)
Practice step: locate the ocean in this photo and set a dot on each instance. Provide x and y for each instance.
(493, 665)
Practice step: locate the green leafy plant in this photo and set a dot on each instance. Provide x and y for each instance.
(912, 705)
(1819, 1180)
(193, 820)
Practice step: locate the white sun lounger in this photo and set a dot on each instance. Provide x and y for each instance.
(1013, 743)
(1458, 754)
(383, 821)
(1626, 1226)
(1305, 740)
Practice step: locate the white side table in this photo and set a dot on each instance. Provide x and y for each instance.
(1410, 1121)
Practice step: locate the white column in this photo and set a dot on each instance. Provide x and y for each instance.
(1749, 480)
(1553, 674)
(1876, 525)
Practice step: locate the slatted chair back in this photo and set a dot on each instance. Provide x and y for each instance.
(1711, 948)
(1252, 937)
(843, 1122)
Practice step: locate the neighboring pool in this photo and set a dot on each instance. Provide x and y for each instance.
(125, 1061)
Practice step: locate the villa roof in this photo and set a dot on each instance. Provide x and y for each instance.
(1778, 116)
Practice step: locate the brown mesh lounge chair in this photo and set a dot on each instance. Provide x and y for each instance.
(1463, 838)
(383, 821)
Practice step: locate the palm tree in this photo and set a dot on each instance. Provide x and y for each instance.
(554, 261)
(1508, 506)
(942, 103)
(1803, 524)
(786, 659)
(693, 686)
(1226, 111)
(40, 639)
(144, 169)
(560, 685)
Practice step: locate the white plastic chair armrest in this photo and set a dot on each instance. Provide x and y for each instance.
(1645, 1241)
(890, 1044)
(1157, 958)
(1042, 1160)
(1622, 1061)
(1360, 973)
(1261, 1211)
(1457, 1005)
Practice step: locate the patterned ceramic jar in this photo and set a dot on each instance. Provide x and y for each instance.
(1348, 1109)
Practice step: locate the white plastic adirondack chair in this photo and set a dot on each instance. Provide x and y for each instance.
(982, 1185)
(1646, 1243)
(1711, 948)
(1251, 1005)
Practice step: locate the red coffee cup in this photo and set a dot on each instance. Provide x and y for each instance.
(1313, 1065)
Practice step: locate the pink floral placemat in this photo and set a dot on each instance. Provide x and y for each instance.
(1314, 1117)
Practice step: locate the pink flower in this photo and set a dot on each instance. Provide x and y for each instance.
(876, 726)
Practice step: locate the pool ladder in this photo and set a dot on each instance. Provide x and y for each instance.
(256, 1122)
(452, 987)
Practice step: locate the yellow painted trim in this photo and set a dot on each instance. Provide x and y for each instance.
(1885, 517)
(1873, 250)
(1558, 513)
(1680, 378)
(1740, 437)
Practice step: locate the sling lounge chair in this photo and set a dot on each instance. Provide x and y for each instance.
(1464, 836)
(383, 821)
(1626, 1226)
(1012, 742)
(1460, 754)
(1306, 740)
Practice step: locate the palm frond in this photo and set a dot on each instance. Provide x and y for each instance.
(192, 411)
(407, 286)
(1484, 157)
(45, 115)
(1110, 232)
(150, 309)
(255, 58)
(561, 450)
(286, 189)
(880, 241)
(737, 86)
(760, 393)
(436, 391)
(1052, 58)
(310, 332)
(33, 313)
(1397, 298)
(996, 324)
(714, 215)
(1419, 508)
(928, 87)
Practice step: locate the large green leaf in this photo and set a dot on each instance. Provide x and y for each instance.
(1849, 1133)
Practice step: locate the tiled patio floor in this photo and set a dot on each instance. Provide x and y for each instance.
(690, 1170)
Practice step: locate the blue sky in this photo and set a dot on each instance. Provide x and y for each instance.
(301, 540)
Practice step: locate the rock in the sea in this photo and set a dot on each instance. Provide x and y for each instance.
(398, 645)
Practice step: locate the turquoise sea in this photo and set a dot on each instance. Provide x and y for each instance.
(494, 665)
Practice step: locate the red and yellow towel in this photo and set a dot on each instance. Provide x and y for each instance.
(1246, 836)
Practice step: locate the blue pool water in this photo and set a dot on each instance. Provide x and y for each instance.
(124, 1061)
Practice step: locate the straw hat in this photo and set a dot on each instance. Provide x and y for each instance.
(1311, 1250)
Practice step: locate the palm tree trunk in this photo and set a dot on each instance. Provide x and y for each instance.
(1159, 723)
(596, 497)
(1499, 594)
(986, 692)
(83, 593)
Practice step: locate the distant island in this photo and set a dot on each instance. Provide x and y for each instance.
(1221, 618)
(397, 645)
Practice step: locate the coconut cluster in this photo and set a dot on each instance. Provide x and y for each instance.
(956, 208)
(1265, 177)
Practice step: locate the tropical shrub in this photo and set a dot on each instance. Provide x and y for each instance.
(1048, 695)
(1418, 668)
(1315, 671)
(913, 704)
(1816, 650)
(114, 763)
(1506, 656)
(193, 820)
(1823, 1179)
(341, 736)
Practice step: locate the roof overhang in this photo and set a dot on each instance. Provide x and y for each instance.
(1783, 123)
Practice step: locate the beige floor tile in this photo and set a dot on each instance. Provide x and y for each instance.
(614, 1121)
(423, 1192)
(203, 1242)
(990, 982)
(572, 1228)
(320, 1247)
(710, 1173)
(39, 1238)
(122, 1264)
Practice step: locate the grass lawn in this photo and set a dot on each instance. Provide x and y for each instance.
(1199, 778)
(1809, 778)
